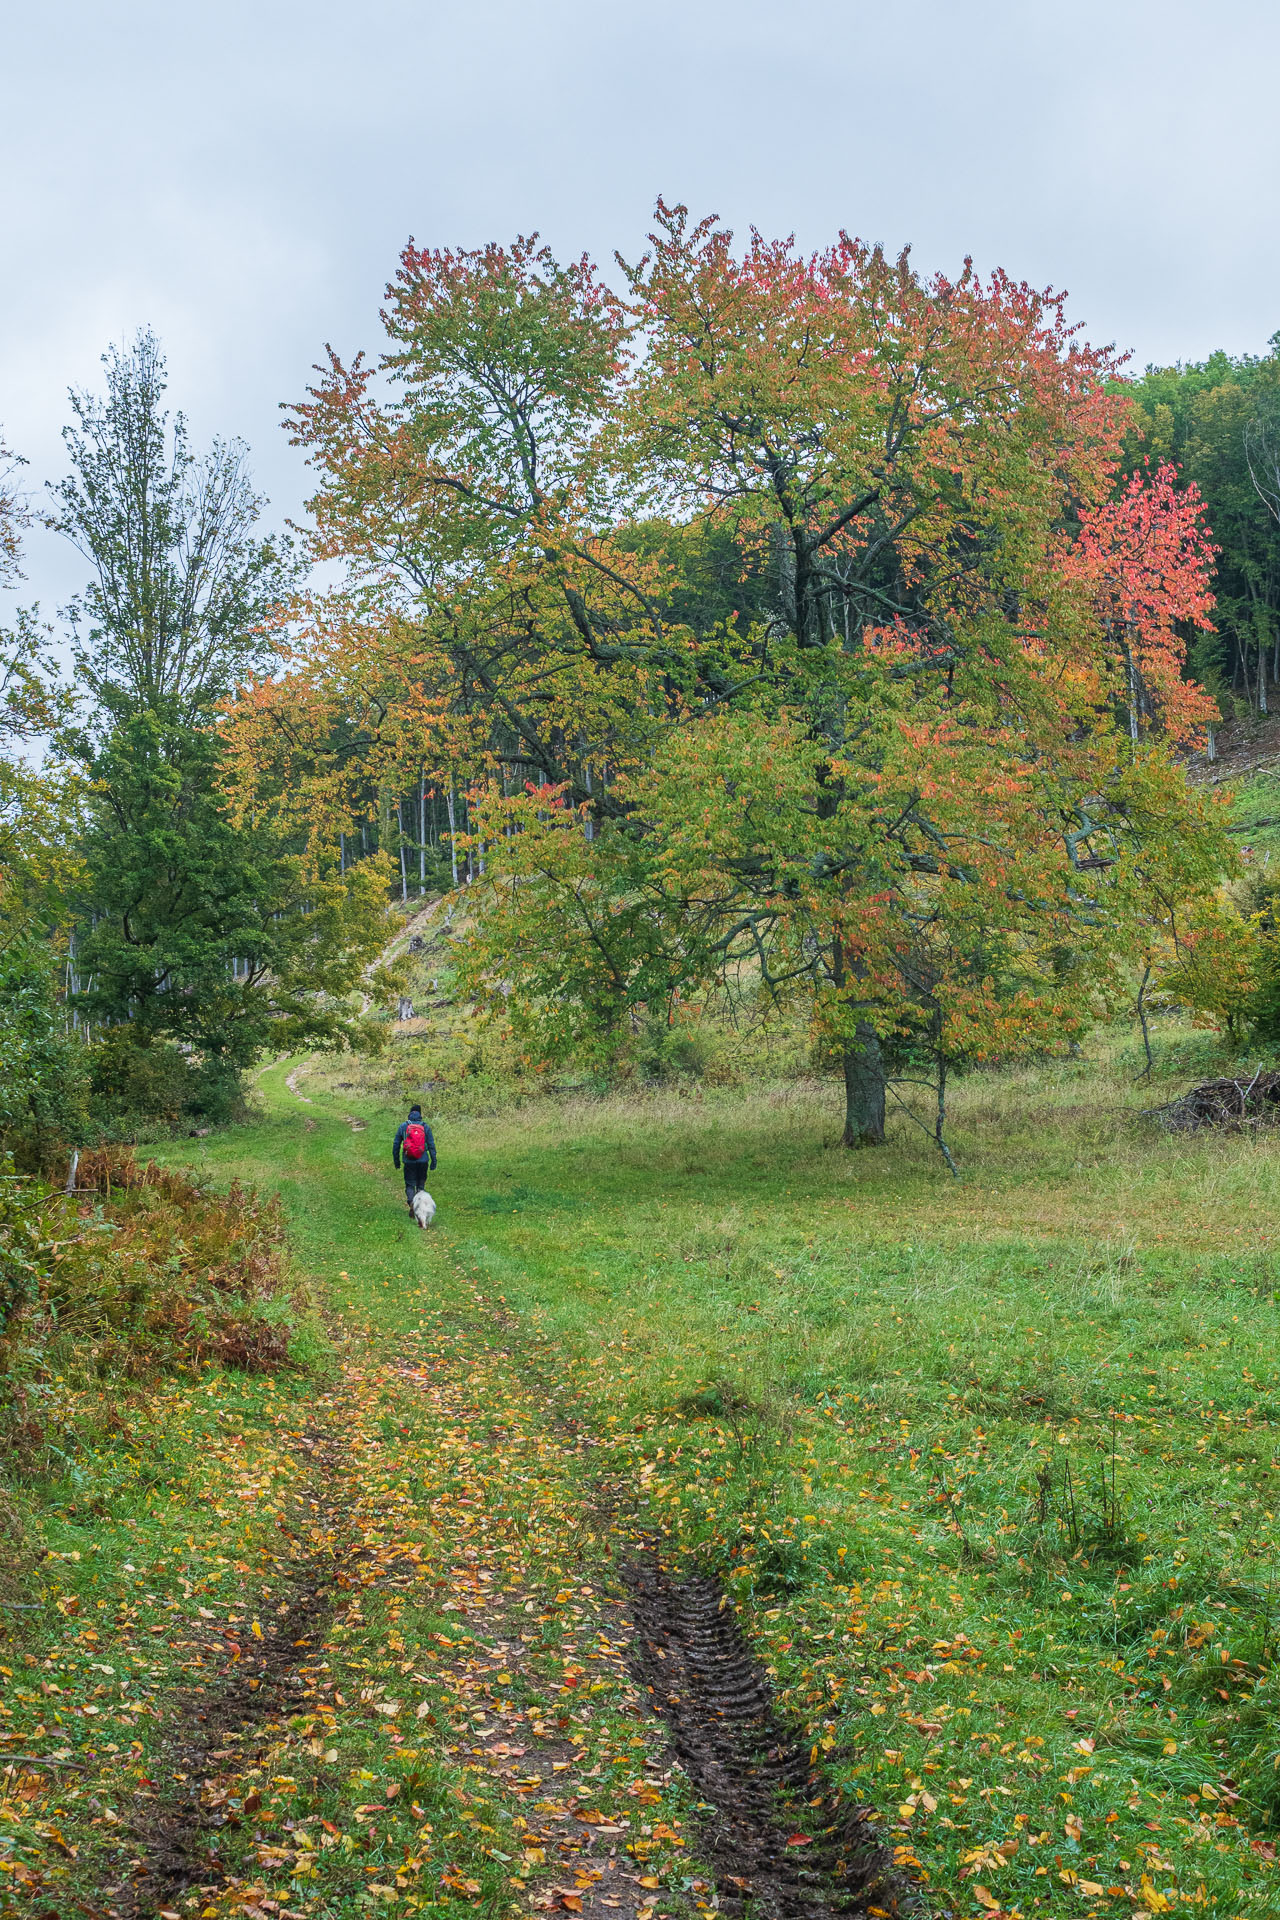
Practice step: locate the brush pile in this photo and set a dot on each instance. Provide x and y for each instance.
(1225, 1104)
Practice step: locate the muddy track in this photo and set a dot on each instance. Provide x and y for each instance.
(691, 1656)
(221, 1733)
(217, 1733)
(746, 1762)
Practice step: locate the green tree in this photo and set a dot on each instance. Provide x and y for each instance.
(790, 647)
(184, 593)
(213, 934)
(37, 805)
(195, 928)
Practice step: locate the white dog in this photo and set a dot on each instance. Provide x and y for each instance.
(423, 1207)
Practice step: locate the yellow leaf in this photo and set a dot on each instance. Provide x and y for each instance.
(256, 1631)
(987, 1899)
(650, 1880)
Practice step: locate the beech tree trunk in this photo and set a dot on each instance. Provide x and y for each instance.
(864, 1091)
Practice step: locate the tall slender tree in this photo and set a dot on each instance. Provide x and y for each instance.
(183, 590)
(224, 933)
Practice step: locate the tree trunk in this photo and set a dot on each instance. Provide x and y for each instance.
(1133, 695)
(864, 1090)
(1146, 1029)
(404, 871)
(453, 833)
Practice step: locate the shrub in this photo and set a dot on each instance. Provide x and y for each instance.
(23, 1262)
(42, 1080)
(143, 1269)
(664, 1050)
(139, 1086)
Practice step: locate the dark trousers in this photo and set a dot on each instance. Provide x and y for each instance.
(415, 1177)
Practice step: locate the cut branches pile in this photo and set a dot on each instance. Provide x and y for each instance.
(1224, 1104)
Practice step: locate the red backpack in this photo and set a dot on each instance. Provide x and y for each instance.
(415, 1140)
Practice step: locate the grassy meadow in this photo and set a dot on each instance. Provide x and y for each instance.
(990, 1464)
(993, 1461)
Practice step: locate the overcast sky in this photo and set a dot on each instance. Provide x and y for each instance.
(242, 176)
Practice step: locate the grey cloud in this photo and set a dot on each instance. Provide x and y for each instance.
(242, 176)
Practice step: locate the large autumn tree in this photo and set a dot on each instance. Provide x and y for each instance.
(783, 622)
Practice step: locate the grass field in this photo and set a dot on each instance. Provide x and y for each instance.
(990, 1465)
(1013, 1436)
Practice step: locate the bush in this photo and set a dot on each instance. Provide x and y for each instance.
(42, 1076)
(1178, 1055)
(1259, 901)
(670, 1050)
(23, 1265)
(140, 1086)
(143, 1269)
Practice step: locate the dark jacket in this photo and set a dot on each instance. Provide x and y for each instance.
(415, 1118)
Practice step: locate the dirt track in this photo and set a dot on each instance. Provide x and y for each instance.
(775, 1839)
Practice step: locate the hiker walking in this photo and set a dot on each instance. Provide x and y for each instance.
(416, 1150)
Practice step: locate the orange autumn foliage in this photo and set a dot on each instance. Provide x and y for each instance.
(778, 615)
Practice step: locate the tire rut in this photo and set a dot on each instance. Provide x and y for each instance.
(750, 1765)
(217, 1734)
(180, 1835)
